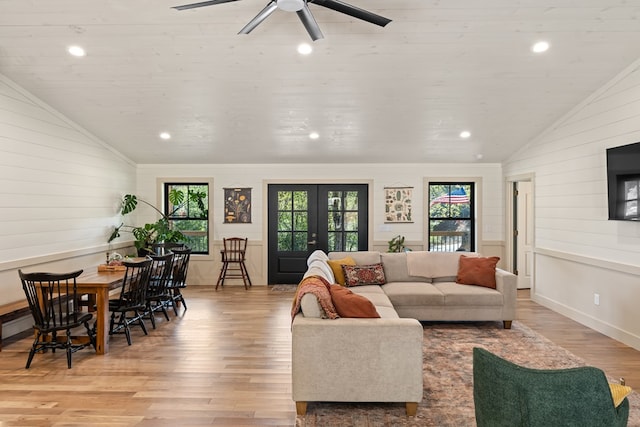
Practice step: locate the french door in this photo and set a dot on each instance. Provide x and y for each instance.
(306, 217)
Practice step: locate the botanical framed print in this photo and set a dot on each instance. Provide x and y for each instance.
(397, 204)
(237, 205)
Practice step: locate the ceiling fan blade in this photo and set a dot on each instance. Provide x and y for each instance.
(356, 12)
(264, 14)
(201, 4)
(310, 23)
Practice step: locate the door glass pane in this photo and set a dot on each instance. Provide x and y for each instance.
(335, 221)
(351, 201)
(285, 200)
(301, 222)
(351, 221)
(351, 242)
(334, 242)
(299, 241)
(284, 242)
(300, 202)
(284, 221)
(335, 200)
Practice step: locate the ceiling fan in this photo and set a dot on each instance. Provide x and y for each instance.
(301, 8)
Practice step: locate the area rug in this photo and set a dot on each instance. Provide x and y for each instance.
(448, 377)
(283, 288)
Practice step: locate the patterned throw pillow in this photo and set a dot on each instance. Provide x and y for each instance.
(336, 267)
(356, 275)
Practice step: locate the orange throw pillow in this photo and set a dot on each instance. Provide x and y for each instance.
(348, 304)
(477, 271)
(336, 267)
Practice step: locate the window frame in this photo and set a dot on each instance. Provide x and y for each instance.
(475, 207)
(162, 188)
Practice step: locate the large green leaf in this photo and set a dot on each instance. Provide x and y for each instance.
(129, 203)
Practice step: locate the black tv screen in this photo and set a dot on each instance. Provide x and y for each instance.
(623, 181)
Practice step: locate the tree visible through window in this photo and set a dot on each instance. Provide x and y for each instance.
(191, 216)
(451, 221)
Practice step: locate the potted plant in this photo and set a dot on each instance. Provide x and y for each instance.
(159, 231)
(396, 244)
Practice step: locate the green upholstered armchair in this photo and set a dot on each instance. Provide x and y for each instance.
(509, 395)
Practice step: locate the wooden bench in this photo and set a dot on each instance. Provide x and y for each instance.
(12, 311)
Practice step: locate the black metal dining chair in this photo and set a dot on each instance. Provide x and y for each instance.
(129, 308)
(52, 300)
(178, 280)
(158, 293)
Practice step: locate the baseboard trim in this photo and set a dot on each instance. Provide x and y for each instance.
(607, 329)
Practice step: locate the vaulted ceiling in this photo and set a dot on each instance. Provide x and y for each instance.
(402, 93)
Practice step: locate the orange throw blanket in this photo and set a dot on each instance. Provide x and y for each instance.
(320, 288)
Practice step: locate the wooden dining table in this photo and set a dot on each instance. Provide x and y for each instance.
(99, 284)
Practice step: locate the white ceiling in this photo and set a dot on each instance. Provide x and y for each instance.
(398, 94)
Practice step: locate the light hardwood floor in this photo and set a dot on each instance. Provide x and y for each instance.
(226, 362)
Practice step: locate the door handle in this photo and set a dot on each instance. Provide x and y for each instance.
(313, 242)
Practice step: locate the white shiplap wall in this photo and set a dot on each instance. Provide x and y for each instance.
(204, 271)
(60, 189)
(572, 232)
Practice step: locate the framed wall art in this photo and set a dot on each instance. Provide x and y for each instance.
(237, 205)
(397, 204)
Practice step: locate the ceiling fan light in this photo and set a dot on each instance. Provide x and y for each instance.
(290, 5)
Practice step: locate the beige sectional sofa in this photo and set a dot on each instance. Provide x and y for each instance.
(380, 360)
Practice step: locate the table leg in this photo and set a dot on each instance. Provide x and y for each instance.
(102, 321)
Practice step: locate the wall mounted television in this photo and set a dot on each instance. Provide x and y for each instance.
(623, 182)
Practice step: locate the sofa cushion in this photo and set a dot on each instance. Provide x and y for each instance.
(348, 304)
(336, 267)
(368, 289)
(387, 312)
(379, 300)
(477, 271)
(395, 268)
(413, 293)
(361, 258)
(435, 264)
(358, 275)
(457, 295)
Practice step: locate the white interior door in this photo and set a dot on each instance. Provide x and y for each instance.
(524, 244)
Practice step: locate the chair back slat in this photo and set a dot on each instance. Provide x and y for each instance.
(234, 249)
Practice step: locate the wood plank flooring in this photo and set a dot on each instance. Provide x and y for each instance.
(225, 362)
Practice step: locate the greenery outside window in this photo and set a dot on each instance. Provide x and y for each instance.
(451, 216)
(190, 218)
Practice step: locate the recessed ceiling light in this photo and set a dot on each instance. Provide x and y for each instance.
(540, 47)
(76, 51)
(314, 135)
(304, 49)
(165, 135)
(479, 156)
(465, 134)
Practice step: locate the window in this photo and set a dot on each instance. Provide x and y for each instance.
(187, 206)
(451, 221)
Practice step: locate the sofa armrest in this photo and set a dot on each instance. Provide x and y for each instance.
(356, 360)
(507, 285)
